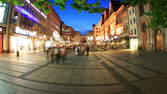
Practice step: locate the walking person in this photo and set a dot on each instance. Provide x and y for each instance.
(82, 50)
(34, 49)
(57, 54)
(52, 54)
(76, 51)
(63, 52)
(87, 50)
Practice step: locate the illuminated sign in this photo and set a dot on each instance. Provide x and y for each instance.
(26, 14)
(66, 30)
(115, 37)
(25, 32)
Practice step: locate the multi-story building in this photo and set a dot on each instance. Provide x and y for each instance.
(4, 26)
(77, 38)
(112, 23)
(89, 38)
(98, 35)
(27, 28)
(30, 27)
(147, 39)
(150, 39)
(125, 42)
(68, 34)
(135, 34)
(54, 27)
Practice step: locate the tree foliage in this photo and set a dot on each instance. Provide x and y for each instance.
(80, 5)
(157, 14)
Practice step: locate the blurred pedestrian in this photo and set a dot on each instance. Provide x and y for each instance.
(76, 50)
(87, 50)
(52, 54)
(82, 50)
(63, 52)
(34, 49)
(57, 54)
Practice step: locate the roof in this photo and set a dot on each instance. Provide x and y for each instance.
(116, 4)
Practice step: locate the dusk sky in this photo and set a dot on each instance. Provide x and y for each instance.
(80, 21)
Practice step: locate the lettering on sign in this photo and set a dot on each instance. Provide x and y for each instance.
(25, 32)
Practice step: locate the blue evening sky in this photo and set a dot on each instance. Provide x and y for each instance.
(80, 21)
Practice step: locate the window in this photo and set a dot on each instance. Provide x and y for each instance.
(131, 21)
(131, 32)
(135, 31)
(133, 10)
(129, 12)
(141, 9)
(134, 20)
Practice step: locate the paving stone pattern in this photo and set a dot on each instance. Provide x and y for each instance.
(103, 72)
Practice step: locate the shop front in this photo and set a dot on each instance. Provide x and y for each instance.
(22, 40)
(39, 44)
(2, 31)
(21, 43)
(1, 42)
(134, 43)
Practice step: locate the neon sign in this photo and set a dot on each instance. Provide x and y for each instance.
(26, 14)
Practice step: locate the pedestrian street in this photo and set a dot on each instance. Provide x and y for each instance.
(102, 72)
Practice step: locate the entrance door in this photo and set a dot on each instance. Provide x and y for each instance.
(144, 40)
(1, 43)
(159, 42)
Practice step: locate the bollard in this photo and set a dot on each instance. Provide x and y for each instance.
(17, 53)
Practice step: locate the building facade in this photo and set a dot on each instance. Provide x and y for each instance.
(54, 27)
(98, 35)
(27, 28)
(113, 25)
(68, 34)
(4, 26)
(134, 27)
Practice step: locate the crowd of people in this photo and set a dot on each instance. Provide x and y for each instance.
(58, 53)
(80, 50)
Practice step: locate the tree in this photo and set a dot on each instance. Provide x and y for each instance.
(80, 5)
(157, 14)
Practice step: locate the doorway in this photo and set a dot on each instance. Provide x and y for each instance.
(1, 43)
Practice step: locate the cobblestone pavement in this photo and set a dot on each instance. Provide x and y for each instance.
(103, 72)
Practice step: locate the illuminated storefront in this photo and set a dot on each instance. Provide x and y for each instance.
(1, 40)
(22, 40)
(4, 9)
(39, 44)
(134, 44)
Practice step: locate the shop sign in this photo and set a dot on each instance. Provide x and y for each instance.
(25, 32)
